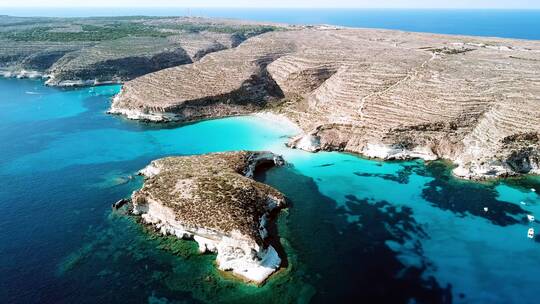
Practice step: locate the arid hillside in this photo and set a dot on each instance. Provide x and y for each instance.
(89, 51)
(379, 93)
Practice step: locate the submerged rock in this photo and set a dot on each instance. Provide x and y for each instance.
(212, 199)
(119, 204)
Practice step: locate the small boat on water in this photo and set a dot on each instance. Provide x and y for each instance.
(530, 233)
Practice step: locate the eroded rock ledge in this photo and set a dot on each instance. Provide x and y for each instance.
(213, 199)
(380, 93)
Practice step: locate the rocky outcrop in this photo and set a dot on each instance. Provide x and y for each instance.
(515, 154)
(232, 83)
(384, 94)
(91, 51)
(114, 61)
(213, 200)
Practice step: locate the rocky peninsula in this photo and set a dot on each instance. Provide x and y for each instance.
(379, 93)
(213, 200)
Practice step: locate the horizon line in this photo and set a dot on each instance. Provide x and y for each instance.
(269, 7)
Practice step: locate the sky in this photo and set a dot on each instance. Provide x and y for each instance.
(523, 4)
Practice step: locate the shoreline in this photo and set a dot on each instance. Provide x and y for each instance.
(240, 244)
(342, 106)
(374, 151)
(46, 79)
(309, 143)
(327, 175)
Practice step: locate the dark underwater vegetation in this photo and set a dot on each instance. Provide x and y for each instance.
(356, 230)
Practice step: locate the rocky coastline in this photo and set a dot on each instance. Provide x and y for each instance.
(70, 52)
(213, 200)
(377, 93)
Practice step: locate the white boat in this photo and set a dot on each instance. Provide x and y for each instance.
(530, 233)
(530, 217)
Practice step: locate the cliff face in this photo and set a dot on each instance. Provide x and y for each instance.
(116, 61)
(213, 200)
(221, 84)
(89, 51)
(385, 94)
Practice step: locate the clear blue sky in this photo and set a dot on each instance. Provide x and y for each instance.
(526, 4)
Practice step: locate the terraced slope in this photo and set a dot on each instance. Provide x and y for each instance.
(386, 94)
(89, 51)
(231, 83)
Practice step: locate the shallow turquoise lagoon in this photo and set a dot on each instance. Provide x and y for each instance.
(356, 229)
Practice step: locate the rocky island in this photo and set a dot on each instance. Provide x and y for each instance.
(213, 200)
(379, 93)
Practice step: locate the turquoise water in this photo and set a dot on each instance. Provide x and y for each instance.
(522, 24)
(357, 229)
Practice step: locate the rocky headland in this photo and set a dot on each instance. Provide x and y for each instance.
(379, 93)
(213, 200)
(93, 51)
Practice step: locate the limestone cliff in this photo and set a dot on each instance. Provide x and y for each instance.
(90, 51)
(379, 93)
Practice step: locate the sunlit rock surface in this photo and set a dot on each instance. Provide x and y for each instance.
(213, 199)
(380, 93)
(93, 51)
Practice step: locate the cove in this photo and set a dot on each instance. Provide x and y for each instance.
(356, 230)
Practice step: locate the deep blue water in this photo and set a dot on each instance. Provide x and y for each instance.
(523, 24)
(356, 229)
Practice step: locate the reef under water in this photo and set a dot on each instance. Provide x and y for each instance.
(355, 229)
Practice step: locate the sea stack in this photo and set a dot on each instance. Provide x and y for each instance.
(213, 199)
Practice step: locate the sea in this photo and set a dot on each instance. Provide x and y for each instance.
(521, 24)
(356, 230)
